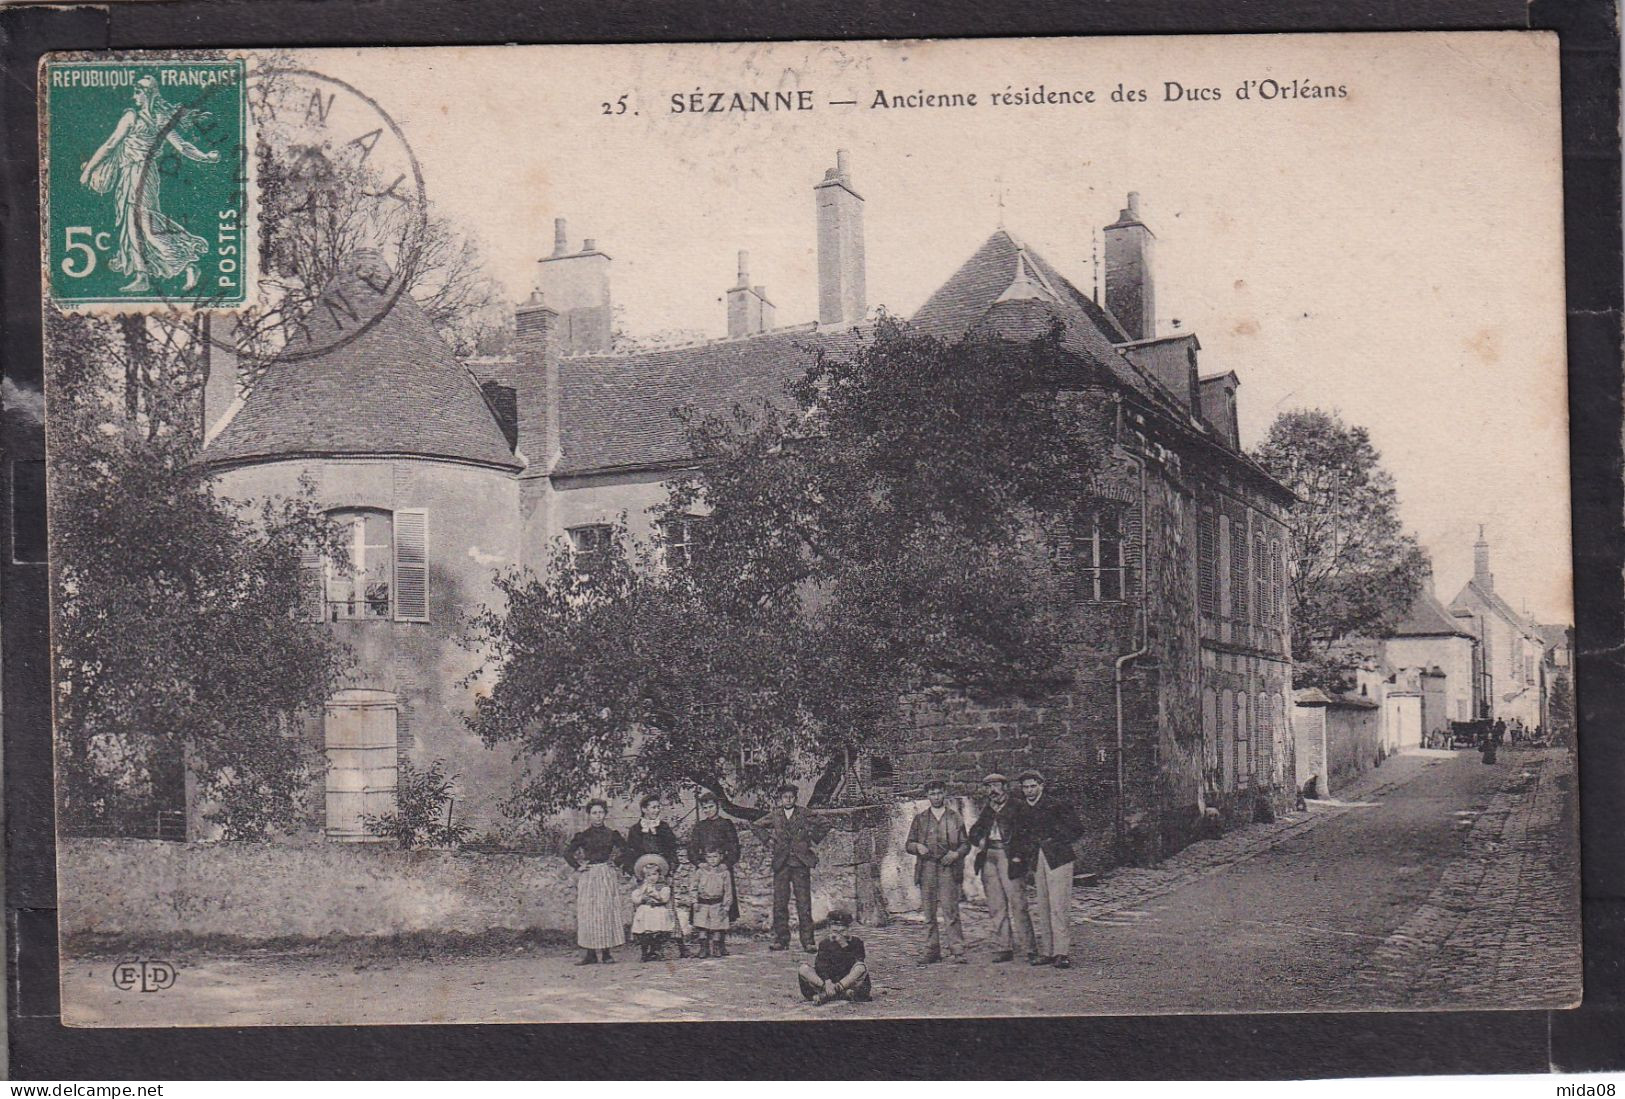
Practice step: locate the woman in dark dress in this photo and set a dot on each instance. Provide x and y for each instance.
(592, 853)
(653, 836)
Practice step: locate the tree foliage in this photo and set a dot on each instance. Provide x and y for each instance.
(878, 532)
(1354, 568)
(425, 807)
(176, 642)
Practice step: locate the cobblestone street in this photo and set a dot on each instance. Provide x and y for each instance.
(1437, 881)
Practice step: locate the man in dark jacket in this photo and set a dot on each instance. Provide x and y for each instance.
(939, 844)
(789, 832)
(715, 832)
(1004, 874)
(1044, 843)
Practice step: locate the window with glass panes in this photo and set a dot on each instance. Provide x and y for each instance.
(590, 545)
(681, 538)
(1094, 554)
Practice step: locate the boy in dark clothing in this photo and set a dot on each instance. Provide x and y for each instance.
(840, 971)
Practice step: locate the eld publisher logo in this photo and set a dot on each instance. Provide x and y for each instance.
(148, 975)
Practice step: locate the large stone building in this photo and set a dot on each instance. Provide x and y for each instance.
(447, 472)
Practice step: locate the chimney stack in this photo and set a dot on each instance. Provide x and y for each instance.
(1131, 294)
(1481, 562)
(576, 286)
(749, 311)
(537, 346)
(842, 295)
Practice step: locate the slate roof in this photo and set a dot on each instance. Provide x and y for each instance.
(962, 303)
(1427, 617)
(394, 389)
(618, 411)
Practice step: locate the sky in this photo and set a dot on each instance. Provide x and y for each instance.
(1392, 253)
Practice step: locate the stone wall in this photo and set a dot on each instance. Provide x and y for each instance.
(1353, 737)
(143, 889)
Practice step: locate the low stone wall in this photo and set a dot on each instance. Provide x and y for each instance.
(259, 891)
(141, 889)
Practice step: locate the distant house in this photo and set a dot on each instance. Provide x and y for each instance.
(1429, 636)
(1512, 648)
(446, 472)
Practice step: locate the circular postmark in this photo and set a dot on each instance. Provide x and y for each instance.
(349, 191)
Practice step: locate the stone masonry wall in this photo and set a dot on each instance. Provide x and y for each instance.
(142, 889)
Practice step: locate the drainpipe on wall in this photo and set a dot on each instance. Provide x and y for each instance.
(1140, 650)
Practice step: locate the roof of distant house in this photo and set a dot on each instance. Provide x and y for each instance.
(1427, 617)
(1494, 601)
(395, 388)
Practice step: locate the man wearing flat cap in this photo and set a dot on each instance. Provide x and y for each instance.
(939, 842)
(1044, 843)
(1004, 875)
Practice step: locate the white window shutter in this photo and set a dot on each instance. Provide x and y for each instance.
(312, 588)
(411, 565)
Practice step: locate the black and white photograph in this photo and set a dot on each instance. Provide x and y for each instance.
(809, 531)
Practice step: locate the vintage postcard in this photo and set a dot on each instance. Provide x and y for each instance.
(809, 531)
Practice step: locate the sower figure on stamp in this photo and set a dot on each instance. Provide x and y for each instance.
(1004, 874)
(939, 841)
(150, 243)
(789, 833)
(1044, 842)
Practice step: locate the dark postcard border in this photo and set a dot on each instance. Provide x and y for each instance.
(1200, 1047)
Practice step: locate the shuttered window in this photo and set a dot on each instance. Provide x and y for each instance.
(312, 588)
(1261, 572)
(1207, 559)
(1278, 586)
(1239, 572)
(360, 736)
(411, 565)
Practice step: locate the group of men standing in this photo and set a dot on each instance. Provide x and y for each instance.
(1017, 840)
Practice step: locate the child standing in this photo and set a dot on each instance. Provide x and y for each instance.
(713, 897)
(653, 920)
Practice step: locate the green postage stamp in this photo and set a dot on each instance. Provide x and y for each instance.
(147, 192)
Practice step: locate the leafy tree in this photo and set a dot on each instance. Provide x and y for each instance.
(176, 638)
(1354, 569)
(424, 806)
(1560, 709)
(879, 532)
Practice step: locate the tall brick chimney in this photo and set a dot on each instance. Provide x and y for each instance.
(842, 295)
(538, 345)
(1481, 562)
(749, 311)
(1131, 293)
(576, 286)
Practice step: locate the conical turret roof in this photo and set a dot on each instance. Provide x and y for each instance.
(366, 374)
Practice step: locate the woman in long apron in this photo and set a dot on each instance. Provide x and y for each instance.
(592, 852)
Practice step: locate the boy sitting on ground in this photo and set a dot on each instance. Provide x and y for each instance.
(839, 970)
